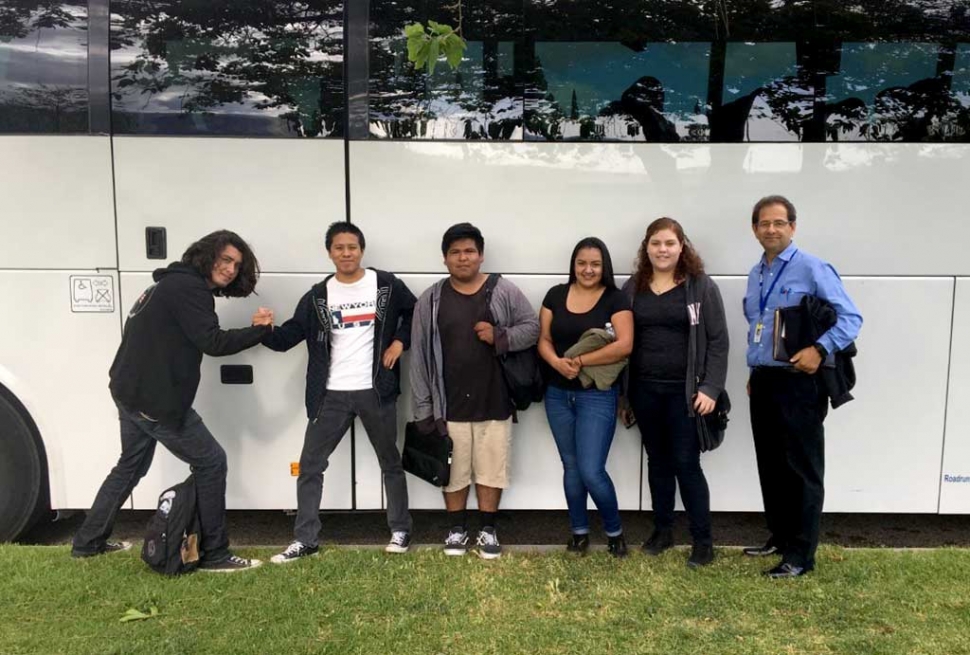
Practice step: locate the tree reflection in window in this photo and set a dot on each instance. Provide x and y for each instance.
(245, 67)
(43, 67)
(482, 99)
(608, 91)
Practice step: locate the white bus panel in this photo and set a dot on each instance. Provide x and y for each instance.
(260, 425)
(278, 194)
(56, 203)
(955, 476)
(54, 358)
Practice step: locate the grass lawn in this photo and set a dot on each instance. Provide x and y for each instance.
(859, 602)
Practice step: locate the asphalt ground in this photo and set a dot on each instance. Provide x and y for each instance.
(543, 528)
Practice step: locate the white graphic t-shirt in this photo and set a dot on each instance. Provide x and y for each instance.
(353, 310)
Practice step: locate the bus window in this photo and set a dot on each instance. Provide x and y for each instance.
(893, 92)
(479, 100)
(653, 92)
(763, 97)
(220, 67)
(43, 67)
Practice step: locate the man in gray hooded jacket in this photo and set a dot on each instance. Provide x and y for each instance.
(457, 383)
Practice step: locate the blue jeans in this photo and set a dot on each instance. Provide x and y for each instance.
(583, 423)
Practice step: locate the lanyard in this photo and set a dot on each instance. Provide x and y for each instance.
(763, 299)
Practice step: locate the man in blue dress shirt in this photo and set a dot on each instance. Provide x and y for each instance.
(788, 402)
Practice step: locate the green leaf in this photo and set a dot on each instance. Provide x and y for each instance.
(434, 51)
(454, 47)
(439, 28)
(136, 615)
(414, 30)
(421, 57)
(414, 47)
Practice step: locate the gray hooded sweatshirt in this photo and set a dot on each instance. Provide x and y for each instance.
(516, 328)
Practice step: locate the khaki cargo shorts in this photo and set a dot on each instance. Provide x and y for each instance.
(481, 454)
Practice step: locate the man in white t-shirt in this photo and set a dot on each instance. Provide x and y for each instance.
(356, 323)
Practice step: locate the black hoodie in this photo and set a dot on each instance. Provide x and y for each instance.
(311, 323)
(157, 368)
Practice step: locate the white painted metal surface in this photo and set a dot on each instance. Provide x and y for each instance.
(955, 476)
(56, 203)
(278, 194)
(858, 208)
(857, 203)
(56, 363)
(260, 425)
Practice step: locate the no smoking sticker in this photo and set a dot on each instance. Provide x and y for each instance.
(92, 293)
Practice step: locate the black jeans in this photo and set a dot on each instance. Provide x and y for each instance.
(673, 455)
(787, 411)
(322, 437)
(193, 444)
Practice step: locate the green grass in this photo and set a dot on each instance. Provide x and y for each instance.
(347, 601)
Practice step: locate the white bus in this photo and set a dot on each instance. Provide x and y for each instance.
(128, 130)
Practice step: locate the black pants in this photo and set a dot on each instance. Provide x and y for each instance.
(193, 444)
(324, 435)
(787, 411)
(673, 455)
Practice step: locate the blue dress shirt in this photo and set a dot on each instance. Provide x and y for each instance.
(804, 274)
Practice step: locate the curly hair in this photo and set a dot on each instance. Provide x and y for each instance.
(204, 253)
(688, 265)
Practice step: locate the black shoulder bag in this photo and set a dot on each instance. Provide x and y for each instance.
(520, 368)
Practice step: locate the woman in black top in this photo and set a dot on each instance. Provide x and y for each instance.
(583, 420)
(677, 369)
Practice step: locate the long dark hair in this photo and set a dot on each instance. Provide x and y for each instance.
(203, 254)
(690, 263)
(592, 242)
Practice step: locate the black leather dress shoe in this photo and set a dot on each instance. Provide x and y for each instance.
(763, 551)
(786, 570)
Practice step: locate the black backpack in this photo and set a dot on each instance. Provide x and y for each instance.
(521, 371)
(172, 540)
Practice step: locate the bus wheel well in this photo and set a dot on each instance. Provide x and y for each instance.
(24, 481)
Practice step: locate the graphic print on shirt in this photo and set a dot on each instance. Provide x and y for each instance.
(353, 315)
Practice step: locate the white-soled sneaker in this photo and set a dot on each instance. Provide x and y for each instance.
(230, 565)
(109, 547)
(399, 543)
(456, 544)
(487, 545)
(293, 552)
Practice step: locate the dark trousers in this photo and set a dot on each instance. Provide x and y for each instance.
(322, 437)
(673, 455)
(193, 444)
(787, 411)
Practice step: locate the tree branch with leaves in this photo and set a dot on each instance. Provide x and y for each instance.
(427, 44)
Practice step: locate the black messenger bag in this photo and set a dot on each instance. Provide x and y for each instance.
(427, 454)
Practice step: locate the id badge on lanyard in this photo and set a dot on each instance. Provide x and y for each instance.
(763, 300)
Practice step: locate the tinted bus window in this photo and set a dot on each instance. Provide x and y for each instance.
(218, 67)
(43, 67)
(482, 99)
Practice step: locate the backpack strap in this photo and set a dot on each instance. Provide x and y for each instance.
(490, 285)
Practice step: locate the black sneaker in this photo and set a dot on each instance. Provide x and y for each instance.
(456, 544)
(399, 543)
(487, 545)
(658, 542)
(579, 543)
(293, 552)
(700, 555)
(109, 547)
(616, 546)
(230, 565)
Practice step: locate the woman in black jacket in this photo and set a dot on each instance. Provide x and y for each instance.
(677, 370)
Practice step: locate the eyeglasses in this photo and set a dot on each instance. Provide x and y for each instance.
(764, 225)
